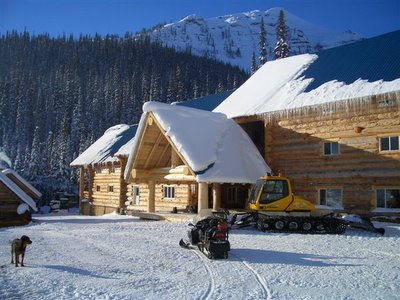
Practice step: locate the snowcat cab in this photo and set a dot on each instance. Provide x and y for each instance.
(274, 193)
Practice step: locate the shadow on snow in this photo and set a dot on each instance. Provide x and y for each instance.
(287, 258)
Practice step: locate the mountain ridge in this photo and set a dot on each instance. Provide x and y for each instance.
(233, 38)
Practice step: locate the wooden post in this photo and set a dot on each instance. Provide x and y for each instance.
(91, 179)
(203, 196)
(81, 182)
(216, 188)
(151, 203)
(122, 186)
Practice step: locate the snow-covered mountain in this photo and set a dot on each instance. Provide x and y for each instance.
(233, 38)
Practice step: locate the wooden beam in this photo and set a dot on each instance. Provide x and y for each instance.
(172, 144)
(156, 144)
(81, 182)
(162, 155)
(216, 188)
(151, 203)
(203, 197)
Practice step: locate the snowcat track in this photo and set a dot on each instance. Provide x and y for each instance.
(304, 225)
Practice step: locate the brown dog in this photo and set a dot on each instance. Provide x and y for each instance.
(18, 247)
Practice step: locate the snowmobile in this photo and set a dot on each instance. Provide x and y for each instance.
(210, 235)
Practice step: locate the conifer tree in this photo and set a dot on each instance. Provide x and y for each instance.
(263, 43)
(282, 48)
(253, 67)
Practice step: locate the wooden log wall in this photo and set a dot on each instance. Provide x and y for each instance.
(184, 196)
(103, 200)
(294, 146)
(9, 203)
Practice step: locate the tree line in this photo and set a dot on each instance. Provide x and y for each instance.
(58, 95)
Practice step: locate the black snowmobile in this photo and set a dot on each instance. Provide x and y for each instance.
(210, 235)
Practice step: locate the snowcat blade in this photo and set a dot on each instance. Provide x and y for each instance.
(367, 225)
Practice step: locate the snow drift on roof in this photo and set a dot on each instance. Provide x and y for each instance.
(17, 191)
(107, 146)
(25, 182)
(336, 74)
(206, 103)
(254, 95)
(215, 148)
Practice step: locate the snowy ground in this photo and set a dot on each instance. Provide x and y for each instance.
(120, 257)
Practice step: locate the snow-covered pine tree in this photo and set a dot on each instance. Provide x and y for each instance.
(254, 66)
(282, 48)
(263, 43)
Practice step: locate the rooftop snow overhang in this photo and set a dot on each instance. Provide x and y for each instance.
(212, 146)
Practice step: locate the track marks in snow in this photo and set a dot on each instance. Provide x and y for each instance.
(259, 278)
(211, 288)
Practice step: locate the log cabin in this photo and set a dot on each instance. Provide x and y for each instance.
(189, 158)
(330, 122)
(15, 205)
(23, 184)
(102, 188)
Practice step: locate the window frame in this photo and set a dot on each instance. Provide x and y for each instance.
(340, 206)
(331, 148)
(384, 189)
(390, 146)
(136, 194)
(110, 188)
(169, 192)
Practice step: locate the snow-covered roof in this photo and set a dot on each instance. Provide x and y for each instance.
(214, 147)
(17, 191)
(207, 102)
(115, 141)
(362, 69)
(23, 181)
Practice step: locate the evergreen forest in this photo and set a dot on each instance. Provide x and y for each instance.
(58, 95)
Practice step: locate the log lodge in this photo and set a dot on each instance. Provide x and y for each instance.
(330, 122)
(184, 157)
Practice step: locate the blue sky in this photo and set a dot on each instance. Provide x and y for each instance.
(367, 17)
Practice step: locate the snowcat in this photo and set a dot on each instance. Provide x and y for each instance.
(272, 206)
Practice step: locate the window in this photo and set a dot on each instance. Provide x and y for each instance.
(388, 198)
(136, 194)
(385, 103)
(274, 190)
(98, 189)
(111, 168)
(331, 148)
(389, 143)
(169, 191)
(98, 169)
(330, 197)
(110, 188)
